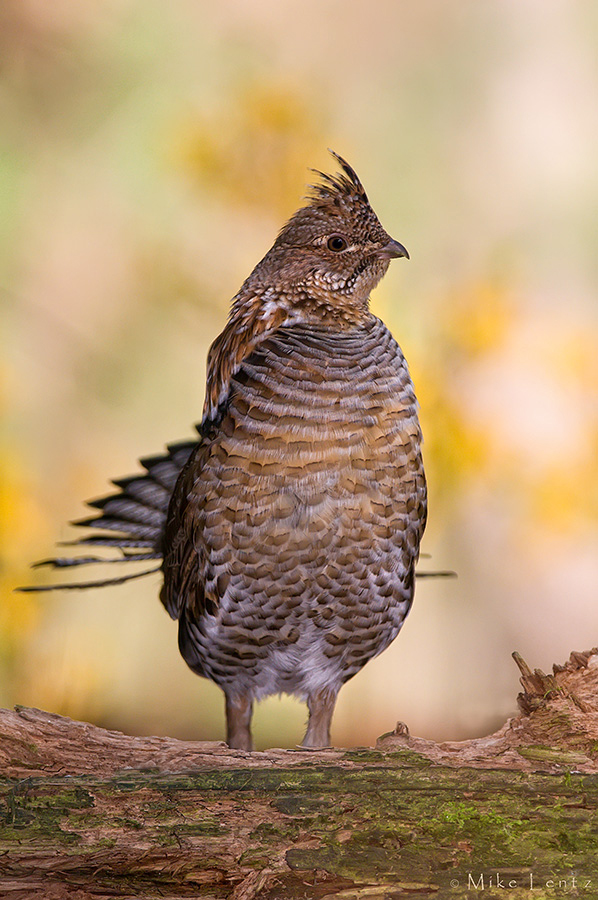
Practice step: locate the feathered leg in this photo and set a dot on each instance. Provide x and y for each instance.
(321, 707)
(239, 709)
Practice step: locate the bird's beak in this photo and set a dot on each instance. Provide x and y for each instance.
(392, 250)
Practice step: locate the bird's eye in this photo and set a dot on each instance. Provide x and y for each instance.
(337, 243)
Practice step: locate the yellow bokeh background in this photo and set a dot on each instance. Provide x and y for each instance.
(149, 153)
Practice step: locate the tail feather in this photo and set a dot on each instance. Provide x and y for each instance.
(128, 511)
(97, 540)
(82, 585)
(130, 529)
(67, 562)
(152, 494)
(164, 469)
(439, 574)
(132, 521)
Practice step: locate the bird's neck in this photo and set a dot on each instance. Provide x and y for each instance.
(255, 314)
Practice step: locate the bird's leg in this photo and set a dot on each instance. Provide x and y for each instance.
(239, 709)
(321, 706)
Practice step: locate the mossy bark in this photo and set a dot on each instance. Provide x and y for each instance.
(199, 820)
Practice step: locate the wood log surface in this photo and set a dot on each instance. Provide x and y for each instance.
(91, 813)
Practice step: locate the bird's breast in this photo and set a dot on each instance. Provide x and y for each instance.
(318, 423)
(308, 510)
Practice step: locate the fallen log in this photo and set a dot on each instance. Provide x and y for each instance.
(90, 813)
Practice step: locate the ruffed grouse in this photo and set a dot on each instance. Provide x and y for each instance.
(289, 532)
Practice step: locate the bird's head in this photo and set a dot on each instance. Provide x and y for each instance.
(333, 250)
(321, 269)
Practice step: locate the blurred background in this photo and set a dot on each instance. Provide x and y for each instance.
(149, 152)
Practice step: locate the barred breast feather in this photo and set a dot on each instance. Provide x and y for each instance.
(296, 525)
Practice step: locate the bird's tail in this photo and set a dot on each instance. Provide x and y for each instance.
(131, 521)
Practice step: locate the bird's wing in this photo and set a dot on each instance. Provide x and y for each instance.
(184, 560)
(187, 575)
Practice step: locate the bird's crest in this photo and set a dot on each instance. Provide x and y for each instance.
(336, 187)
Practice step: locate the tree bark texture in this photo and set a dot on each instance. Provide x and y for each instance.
(89, 813)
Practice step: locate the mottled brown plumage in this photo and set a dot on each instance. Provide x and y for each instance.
(294, 529)
(289, 531)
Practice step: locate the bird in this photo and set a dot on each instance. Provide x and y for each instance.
(288, 532)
